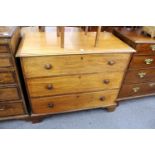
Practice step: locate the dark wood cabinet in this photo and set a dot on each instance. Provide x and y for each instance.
(139, 80)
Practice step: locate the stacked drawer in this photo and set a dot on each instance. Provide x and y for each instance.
(75, 77)
(140, 77)
(11, 101)
(73, 82)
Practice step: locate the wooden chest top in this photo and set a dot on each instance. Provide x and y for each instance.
(135, 36)
(76, 42)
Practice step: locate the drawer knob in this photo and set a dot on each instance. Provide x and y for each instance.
(111, 62)
(141, 74)
(48, 66)
(50, 105)
(106, 81)
(102, 98)
(2, 108)
(148, 61)
(152, 47)
(49, 86)
(136, 89)
(152, 84)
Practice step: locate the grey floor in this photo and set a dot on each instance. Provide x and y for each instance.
(138, 113)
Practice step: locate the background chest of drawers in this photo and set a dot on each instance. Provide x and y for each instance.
(12, 103)
(140, 77)
(78, 77)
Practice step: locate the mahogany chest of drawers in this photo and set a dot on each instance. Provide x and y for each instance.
(12, 103)
(76, 77)
(140, 76)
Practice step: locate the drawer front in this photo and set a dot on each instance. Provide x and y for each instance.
(9, 94)
(139, 76)
(7, 77)
(5, 62)
(145, 49)
(142, 62)
(137, 89)
(73, 102)
(11, 109)
(73, 84)
(4, 49)
(74, 64)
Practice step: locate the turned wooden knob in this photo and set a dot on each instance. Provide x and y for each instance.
(102, 98)
(111, 62)
(48, 66)
(106, 81)
(50, 105)
(49, 86)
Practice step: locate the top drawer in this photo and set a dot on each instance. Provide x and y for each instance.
(4, 49)
(145, 49)
(73, 64)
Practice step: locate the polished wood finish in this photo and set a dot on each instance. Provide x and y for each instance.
(12, 104)
(74, 84)
(137, 89)
(71, 102)
(141, 69)
(74, 64)
(142, 62)
(77, 77)
(43, 44)
(139, 76)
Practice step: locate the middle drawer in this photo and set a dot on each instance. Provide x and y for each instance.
(73, 64)
(9, 93)
(73, 84)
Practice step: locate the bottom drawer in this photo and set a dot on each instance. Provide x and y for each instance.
(74, 102)
(137, 90)
(11, 109)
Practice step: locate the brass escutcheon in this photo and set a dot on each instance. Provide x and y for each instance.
(148, 61)
(141, 74)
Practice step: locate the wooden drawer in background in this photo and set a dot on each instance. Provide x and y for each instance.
(145, 49)
(137, 90)
(73, 64)
(4, 48)
(74, 84)
(11, 109)
(5, 62)
(139, 76)
(10, 93)
(7, 77)
(138, 62)
(74, 102)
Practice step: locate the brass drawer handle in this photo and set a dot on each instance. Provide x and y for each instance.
(141, 74)
(48, 66)
(49, 86)
(111, 62)
(152, 84)
(152, 47)
(148, 61)
(136, 89)
(102, 98)
(106, 81)
(50, 105)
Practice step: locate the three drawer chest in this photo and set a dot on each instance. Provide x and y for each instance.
(140, 77)
(12, 103)
(76, 77)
